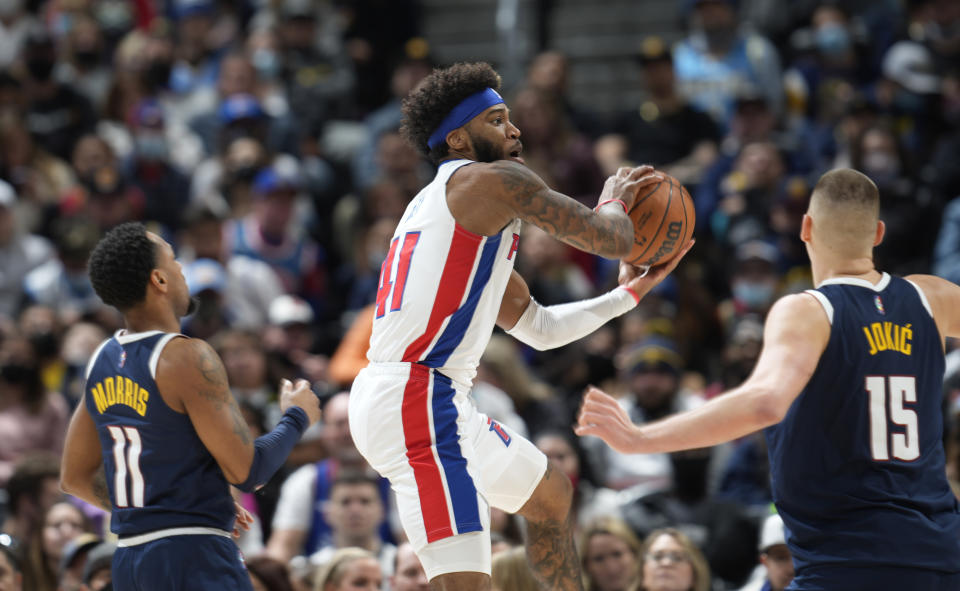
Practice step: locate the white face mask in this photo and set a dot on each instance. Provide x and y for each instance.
(9, 8)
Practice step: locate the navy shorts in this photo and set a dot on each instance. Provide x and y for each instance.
(181, 563)
(879, 578)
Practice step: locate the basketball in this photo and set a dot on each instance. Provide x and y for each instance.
(663, 220)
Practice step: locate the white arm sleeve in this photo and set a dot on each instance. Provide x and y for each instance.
(554, 326)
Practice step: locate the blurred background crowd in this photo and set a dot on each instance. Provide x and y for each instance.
(260, 138)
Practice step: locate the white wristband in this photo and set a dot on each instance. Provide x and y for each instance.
(548, 327)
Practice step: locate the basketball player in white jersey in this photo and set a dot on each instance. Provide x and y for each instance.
(447, 279)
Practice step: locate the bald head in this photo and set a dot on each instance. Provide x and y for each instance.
(845, 207)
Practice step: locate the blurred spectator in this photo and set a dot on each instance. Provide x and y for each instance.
(350, 355)
(672, 563)
(16, 23)
(408, 575)
(406, 74)
(20, 253)
(349, 569)
(31, 418)
(754, 283)
(664, 130)
(11, 578)
(268, 574)
(945, 169)
(273, 234)
(291, 341)
(72, 561)
(946, 255)
(832, 52)
(97, 572)
(774, 556)
(510, 571)
(32, 489)
(238, 77)
(207, 282)
(550, 72)
(38, 177)
(377, 31)
(300, 525)
(150, 167)
(650, 375)
(62, 282)
(41, 327)
(718, 60)
(319, 76)
(106, 198)
(43, 548)
(251, 285)
(57, 115)
(86, 68)
(354, 512)
(611, 556)
(909, 209)
(590, 502)
(909, 93)
(245, 361)
(562, 156)
(196, 59)
(80, 341)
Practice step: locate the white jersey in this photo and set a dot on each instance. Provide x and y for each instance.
(440, 286)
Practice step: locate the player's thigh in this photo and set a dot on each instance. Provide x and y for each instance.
(508, 466)
(182, 563)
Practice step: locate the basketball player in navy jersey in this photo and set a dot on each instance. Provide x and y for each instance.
(158, 438)
(848, 387)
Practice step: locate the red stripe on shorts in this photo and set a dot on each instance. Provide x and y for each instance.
(419, 442)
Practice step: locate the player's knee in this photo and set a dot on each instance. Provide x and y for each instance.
(551, 499)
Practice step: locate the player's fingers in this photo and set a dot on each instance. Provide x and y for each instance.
(598, 396)
(624, 171)
(641, 171)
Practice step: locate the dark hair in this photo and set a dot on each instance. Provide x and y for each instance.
(355, 477)
(29, 474)
(428, 105)
(271, 572)
(121, 264)
(12, 558)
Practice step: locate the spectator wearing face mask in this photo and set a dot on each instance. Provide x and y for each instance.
(717, 59)
(754, 282)
(150, 167)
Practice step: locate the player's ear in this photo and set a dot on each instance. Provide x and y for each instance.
(881, 231)
(159, 280)
(805, 227)
(457, 140)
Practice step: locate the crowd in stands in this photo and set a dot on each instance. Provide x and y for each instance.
(260, 138)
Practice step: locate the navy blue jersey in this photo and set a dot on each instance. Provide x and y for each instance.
(159, 473)
(857, 464)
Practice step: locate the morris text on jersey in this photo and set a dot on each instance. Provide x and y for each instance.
(120, 390)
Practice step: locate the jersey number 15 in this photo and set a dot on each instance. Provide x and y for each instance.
(902, 390)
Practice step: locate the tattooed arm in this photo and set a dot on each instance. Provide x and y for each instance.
(191, 371)
(81, 471)
(509, 190)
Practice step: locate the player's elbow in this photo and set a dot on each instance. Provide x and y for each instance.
(769, 409)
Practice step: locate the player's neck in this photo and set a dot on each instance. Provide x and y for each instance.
(145, 320)
(861, 268)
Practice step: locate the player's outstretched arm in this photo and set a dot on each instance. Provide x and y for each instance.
(191, 370)
(795, 335)
(510, 190)
(548, 327)
(81, 471)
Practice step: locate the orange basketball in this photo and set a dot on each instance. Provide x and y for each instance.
(663, 220)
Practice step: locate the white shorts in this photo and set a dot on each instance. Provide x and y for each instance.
(447, 462)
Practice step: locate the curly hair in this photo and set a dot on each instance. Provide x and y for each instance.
(427, 106)
(120, 265)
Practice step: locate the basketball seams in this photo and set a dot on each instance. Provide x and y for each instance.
(666, 211)
(640, 200)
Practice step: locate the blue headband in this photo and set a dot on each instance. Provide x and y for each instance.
(471, 106)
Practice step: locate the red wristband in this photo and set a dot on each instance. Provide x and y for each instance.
(605, 201)
(636, 297)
